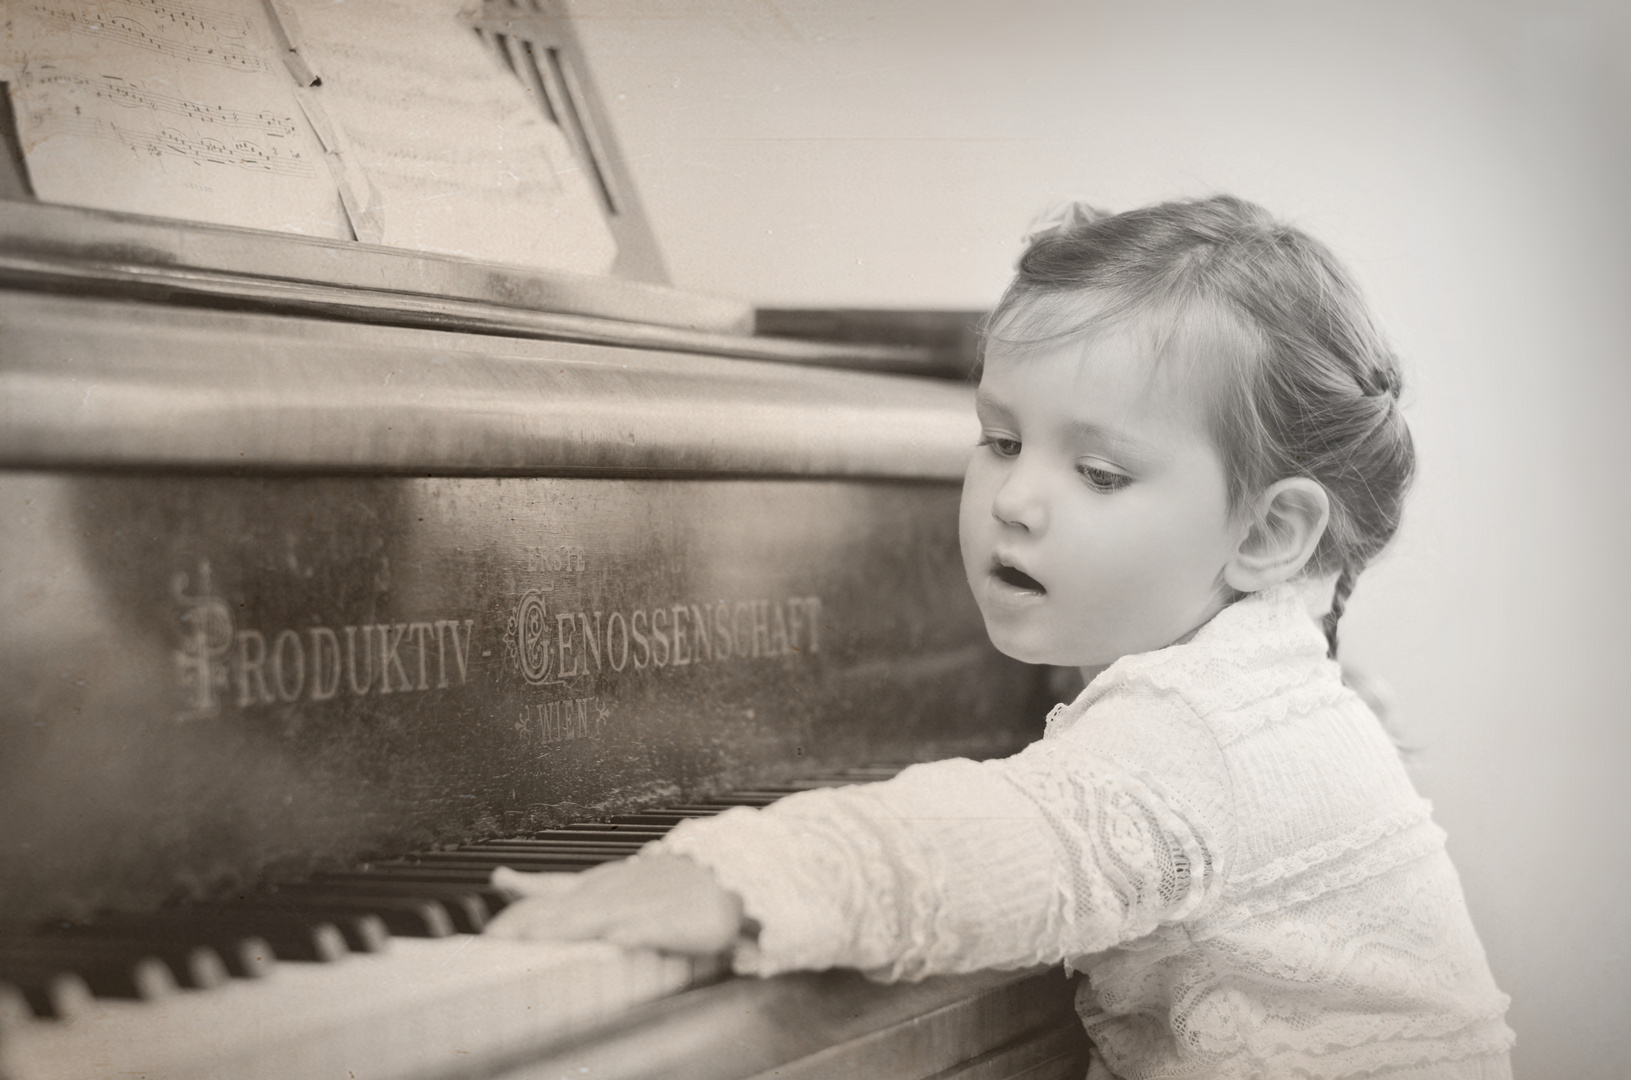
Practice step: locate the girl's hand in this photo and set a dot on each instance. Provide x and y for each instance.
(665, 902)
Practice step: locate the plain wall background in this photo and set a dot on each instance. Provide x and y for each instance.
(1468, 159)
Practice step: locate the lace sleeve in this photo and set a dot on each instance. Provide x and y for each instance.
(1061, 850)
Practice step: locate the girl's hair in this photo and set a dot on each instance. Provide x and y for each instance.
(1304, 383)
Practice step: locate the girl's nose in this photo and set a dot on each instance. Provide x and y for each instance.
(1019, 500)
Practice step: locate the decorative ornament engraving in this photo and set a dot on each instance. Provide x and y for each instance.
(202, 660)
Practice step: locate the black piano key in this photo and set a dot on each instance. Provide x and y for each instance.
(354, 930)
(14, 1007)
(563, 847)
(597, 836)
(146, 977)
(291, 935)
(400, 915)
(539, 863)
(589, 855)
(62, 996)
(562, 860)
(248, 957)
(489, 901)
(557, 859)
(515, 857)
(22, 947)
(469, 876)
(657, 817)
(466, 911)
(198, 968)
(781, 791)
(480, 870)
(560, 843)
(622, 836)
(244, 956)
(479, 875)
(197, 965)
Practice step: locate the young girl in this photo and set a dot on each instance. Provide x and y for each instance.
(1191, 447)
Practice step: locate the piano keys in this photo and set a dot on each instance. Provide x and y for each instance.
(482, 1007)
(420, 1007)
(437, 1007)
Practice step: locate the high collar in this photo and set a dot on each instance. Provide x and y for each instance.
(1257, 633)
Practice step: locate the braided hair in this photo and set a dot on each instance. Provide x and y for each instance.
(1304, 382)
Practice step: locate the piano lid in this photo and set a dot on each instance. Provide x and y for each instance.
(67, 249)
(80, 248)
(88, 383)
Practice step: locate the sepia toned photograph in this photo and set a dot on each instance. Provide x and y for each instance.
(805, 539)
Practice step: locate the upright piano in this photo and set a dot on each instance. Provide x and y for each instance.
(332, 576)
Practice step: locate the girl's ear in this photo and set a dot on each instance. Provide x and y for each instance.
(1289, 521)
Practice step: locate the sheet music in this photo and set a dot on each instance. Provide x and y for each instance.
(166, 107)
(459, 157)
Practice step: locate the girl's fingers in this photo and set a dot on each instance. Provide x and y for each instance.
(661, 902)
(512, 922)
(519, 884)
(546, 918)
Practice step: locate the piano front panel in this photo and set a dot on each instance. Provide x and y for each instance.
(212, 676)
(87, 383)
(283, 592)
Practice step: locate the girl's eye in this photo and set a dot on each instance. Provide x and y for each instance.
(1103, 480)
(1000, 446)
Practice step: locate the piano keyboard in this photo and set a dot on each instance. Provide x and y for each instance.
(419, 1008)
(377, 972)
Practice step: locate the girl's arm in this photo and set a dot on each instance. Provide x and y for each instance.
(1074, 845)
(837, 877)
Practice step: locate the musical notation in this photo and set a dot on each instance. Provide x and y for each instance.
(170, 30)
(166, 107)
(118, 91)
(479, 156)
(172, 143)
(193, 17)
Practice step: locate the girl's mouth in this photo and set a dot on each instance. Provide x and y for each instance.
(1017, 578)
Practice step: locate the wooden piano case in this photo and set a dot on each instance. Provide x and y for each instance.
(285, 591)
(314, 553)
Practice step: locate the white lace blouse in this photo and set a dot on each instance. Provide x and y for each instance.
(1218, 834)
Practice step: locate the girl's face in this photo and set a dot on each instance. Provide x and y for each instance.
(1095, 519)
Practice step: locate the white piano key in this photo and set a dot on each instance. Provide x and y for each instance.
(424, 1008)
